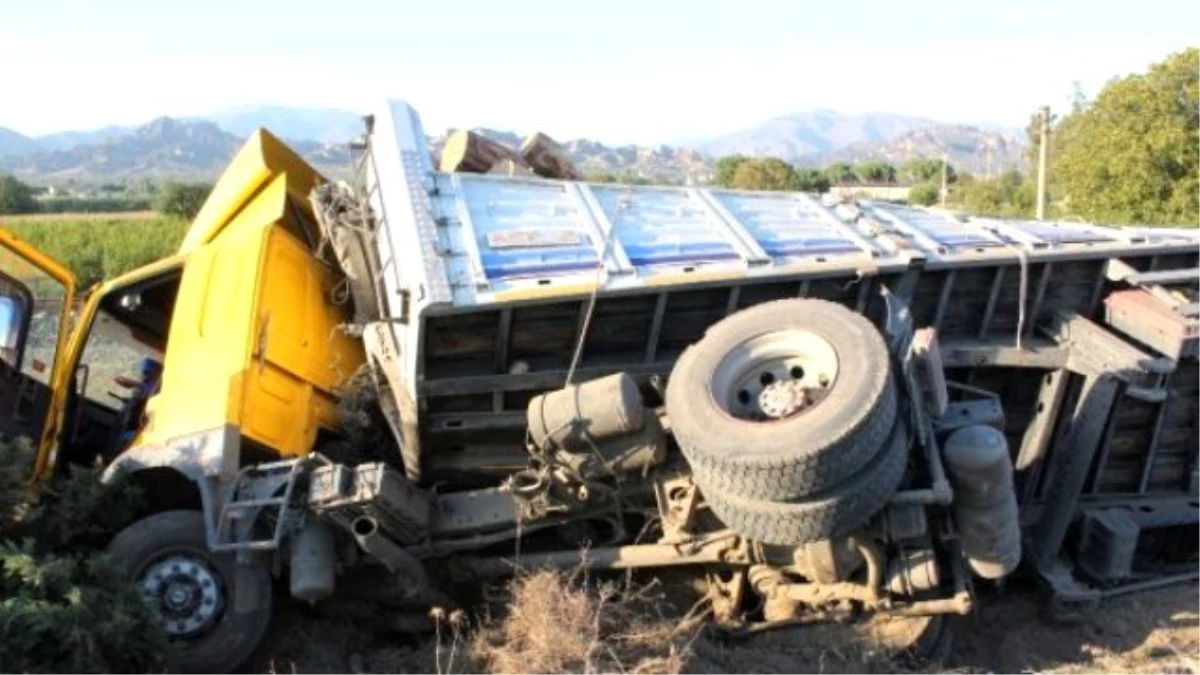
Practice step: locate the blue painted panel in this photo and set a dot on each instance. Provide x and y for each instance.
(527, 229)
(1061, 233)
(664, 226)
(786, 226)
(943, 229)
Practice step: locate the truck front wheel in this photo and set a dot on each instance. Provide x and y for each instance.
(192, 591)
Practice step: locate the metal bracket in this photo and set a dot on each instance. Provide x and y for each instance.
(1095, 351)
(256, 489)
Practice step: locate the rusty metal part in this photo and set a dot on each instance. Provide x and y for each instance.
(827, 561)
(632, 453)
(678, 499)
(787, 596)
(726, 591)
(782, 399)
(549, 492)
(913, 572)
(959, 603)
(1148, 318)
(1095, 350)
(723, 547)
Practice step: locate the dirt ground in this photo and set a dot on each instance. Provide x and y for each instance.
(1151, 632)
(552, 623)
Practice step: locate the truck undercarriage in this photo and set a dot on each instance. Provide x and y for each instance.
(827, 409)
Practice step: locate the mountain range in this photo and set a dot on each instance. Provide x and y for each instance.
(199, 147)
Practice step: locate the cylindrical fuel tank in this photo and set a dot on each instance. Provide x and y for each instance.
(599, 409)
(985, 502)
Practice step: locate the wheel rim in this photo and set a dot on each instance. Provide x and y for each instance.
(775, 376)
(186, 593)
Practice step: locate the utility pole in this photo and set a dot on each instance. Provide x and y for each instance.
(1043, 152)
(945, 170)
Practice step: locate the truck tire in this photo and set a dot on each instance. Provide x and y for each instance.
(834, 513)
(166, 556)
(737, 445)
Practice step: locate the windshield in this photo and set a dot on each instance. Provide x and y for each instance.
(39, 325)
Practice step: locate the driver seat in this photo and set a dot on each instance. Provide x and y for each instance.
(133, 409)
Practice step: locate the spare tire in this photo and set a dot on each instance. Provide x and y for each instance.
(834, 513)
(782, 400)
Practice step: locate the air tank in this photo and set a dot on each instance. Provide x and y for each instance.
(985, 502)
(598, 410)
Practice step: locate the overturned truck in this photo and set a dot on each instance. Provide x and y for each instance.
(828, 410)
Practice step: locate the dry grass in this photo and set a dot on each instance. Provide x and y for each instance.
(552, 622)
(555, 624)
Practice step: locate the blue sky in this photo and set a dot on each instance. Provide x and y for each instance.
(615, 70)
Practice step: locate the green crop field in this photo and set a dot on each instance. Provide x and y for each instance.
(100, 246)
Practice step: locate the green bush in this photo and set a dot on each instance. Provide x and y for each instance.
(925, 194)
(63, 608)
(15, 196)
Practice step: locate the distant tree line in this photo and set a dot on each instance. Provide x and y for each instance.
(171, 198)
(771, 173)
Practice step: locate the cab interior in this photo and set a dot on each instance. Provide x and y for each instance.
(118, 370)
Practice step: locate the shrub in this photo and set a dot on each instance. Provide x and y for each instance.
(63, 608)
(15, 196)
(925, 194)
(182, 200)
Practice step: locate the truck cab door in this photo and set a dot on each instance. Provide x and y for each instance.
(36, 293)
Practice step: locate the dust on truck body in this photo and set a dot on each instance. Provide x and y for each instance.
(836, 409)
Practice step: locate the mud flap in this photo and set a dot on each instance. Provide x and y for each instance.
(248, 597)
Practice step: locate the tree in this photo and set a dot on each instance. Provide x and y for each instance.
(926, 170)
(807, 179)
(1007, 195)
(726, 167)
(924, 194)
(1133, 154)
(840, 172)
(600, 177)
(768, 173)
(15, 196)
(182, 200)
(875, 171)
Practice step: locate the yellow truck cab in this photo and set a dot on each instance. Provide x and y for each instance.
(180, 373)
(254, 356)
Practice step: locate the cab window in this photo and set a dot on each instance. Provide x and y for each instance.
(31, 318)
